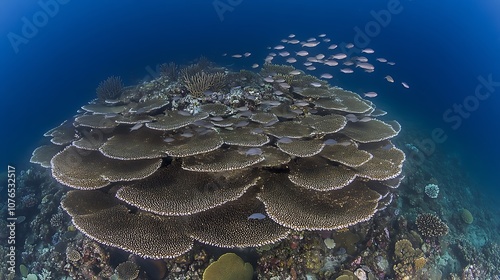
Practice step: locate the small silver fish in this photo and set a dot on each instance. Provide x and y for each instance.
(362, 59)
(365, 65)
(242, 124)
(245, 114)
(371, 94)
(271, 123)
(136, 126)
(271, 102)
(284, 85)
(302, 53)
(339, 56)
(184, 113)
(217, 119)
(285, 140)
(329, 142)
(168, 139)
(301, 103)
(331, 63)
(256, 216)
(253, 152)
(389, 79)
(345, 143)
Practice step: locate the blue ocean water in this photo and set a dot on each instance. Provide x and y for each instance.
(54, 53)
(441, 48)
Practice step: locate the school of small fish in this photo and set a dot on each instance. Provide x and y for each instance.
(315, 54)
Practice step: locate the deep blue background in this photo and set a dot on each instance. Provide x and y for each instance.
(440, 47)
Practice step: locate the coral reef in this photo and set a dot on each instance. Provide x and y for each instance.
(207, 153)
(201, 82)
(127, 271)
(432, 190)
(170, 70)
(302, 165)
(110, 89)
(430, 225)
(228, 267)
(405, 257)
(466, 216)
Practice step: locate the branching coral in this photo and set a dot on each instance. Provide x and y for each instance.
(200, 82)
(431, 225)
(111, 88)
(170, 70)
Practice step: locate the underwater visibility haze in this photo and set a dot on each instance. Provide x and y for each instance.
(250, 139)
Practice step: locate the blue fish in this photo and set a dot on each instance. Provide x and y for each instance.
(257, 216)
